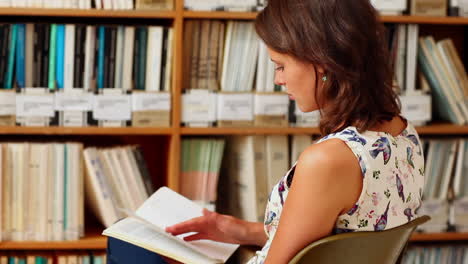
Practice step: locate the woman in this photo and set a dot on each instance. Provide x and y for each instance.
(366, 174)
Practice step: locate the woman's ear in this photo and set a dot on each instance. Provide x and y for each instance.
(320, 70)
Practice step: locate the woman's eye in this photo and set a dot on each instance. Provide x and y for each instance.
(279, 68)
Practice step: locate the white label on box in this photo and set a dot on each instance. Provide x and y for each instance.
(389, 4)
(73, 102)
(151, 101)
(199, 106)
(35, 105)
(237, 107)
(416, 107)
(7, 103)
(271, 104)
(112, 107)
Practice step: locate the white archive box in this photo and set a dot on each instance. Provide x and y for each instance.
(271, 109)
(438, 210)
(7, 107)
(416, 108)
(199, 108)
(235, 109)
(151, 109)
(390, 7)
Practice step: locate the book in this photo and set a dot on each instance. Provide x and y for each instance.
(145, 228)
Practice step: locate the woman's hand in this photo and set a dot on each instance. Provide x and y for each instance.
(221, 228)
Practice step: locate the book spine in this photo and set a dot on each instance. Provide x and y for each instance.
(20, 51)
(52, 56)
(142, 57)
(60, 59)
(100, 64)
(38, 46)
(112, 54)
(4, 39)
(136, 60)
(45, 56)
(11, 57)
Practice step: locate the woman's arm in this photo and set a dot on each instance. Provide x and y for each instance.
(327, 182)
(222, 228)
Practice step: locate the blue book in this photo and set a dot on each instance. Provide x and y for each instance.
(11, 58)
(11, 260)
(119, 252)
(60, 48)
(101, 51)
(22, 261)
(20, 50)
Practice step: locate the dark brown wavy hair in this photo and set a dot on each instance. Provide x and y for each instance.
(348, 41)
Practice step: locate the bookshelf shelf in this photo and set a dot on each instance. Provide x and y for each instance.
(249, 131)
(93, 241)
(220, 15)
(436, 129)
(386, 19)
(449, 236)
(84, 131)
(43, 12)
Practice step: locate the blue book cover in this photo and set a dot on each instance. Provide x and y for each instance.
(11, 260)
(119, 251)
(11, 57)
(20, 50)
(60, 47)
(101, 50)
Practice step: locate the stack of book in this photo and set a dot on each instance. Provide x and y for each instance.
(42, 191)
(116, 178)
(200, 166)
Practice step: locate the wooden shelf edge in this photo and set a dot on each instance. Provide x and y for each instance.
(249, 131)
(436, 129)
(384, 18)
(87, 13)
(85, 131)
(91, 242)
(435, 237)
(220, 15)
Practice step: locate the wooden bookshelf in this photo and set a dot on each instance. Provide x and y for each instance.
(92, 241)
(84, 131)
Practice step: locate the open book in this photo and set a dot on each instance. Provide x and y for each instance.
(145, 228)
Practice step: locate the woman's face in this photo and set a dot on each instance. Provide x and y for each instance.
(299, 79)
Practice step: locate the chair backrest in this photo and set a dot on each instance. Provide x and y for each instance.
(383, 247)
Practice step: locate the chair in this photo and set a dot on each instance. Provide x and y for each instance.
(383, 247)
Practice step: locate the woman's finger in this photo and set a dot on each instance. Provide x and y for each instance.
(192, 225)
(196, 237)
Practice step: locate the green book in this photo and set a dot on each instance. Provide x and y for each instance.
(52, 55)
(11, 58)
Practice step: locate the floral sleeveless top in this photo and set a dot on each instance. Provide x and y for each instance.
(393, 180)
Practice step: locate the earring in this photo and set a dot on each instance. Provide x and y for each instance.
(324, 78)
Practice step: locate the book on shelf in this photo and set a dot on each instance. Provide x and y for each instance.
(115, 178)
(57, 257)
(224, 5)
(453, 254)
(145, 228)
